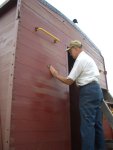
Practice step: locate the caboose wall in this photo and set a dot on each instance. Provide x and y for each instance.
(8, 32)
(36, 109)
(40, 106)
(69, 32)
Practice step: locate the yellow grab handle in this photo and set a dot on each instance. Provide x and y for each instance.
(45, 31)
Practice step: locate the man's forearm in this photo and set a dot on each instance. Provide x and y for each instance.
(63, 79)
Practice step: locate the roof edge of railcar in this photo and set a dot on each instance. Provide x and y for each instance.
(8, 4)
(52, 8)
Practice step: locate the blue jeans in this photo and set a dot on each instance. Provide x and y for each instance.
(91, 129)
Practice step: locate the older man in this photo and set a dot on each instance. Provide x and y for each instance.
(85, 73)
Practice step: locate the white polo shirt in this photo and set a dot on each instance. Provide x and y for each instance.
(84, 70)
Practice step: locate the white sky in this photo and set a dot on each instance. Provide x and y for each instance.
(95, 19)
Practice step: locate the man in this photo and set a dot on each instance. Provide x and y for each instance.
(85, 73)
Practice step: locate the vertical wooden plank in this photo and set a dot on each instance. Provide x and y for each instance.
(1, 142)
(8, 33)
(6, 79)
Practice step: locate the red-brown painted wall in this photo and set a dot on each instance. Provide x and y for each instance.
(42, 109)
(108, 132)
(1, 142)
(7, 56)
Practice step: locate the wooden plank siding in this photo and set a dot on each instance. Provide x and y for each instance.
(1, 142)
(7, 56)
(60, 25)
(38, 112)
(40, 106)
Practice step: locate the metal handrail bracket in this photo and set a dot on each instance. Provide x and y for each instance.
(48, 33)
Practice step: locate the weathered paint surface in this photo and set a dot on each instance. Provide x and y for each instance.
(38, 112)
(7, 52)
(40, 106)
